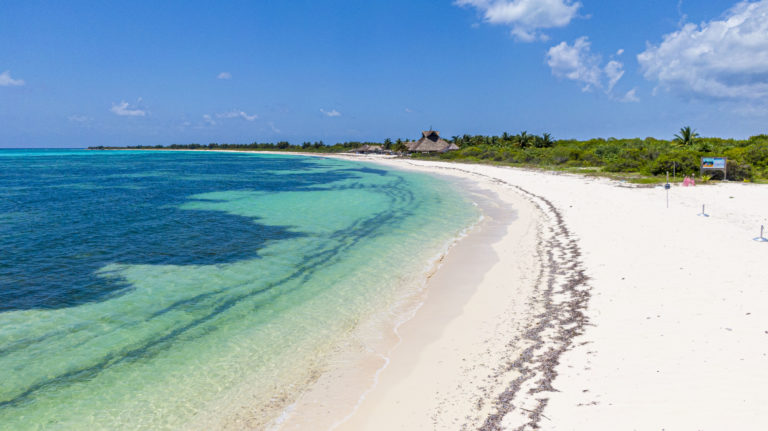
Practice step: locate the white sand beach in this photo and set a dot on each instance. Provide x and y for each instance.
(594, 307)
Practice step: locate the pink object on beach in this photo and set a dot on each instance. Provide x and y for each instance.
(687, 182)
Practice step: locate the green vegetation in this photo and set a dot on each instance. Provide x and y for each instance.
(306, 147)
(638, 160)
(686, 137)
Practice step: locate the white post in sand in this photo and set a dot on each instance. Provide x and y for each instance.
(703, 213)
(667, 186)
(761, 238)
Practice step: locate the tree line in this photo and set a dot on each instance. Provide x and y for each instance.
(747, 158)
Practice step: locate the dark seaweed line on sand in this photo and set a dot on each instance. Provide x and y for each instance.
(561, 274)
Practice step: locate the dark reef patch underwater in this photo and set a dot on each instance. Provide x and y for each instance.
(152, 290)
(71, 216)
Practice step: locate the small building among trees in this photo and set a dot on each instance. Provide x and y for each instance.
(430, 142)
(368, 149)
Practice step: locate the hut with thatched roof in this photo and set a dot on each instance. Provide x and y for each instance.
(367, 149)
(430, 142)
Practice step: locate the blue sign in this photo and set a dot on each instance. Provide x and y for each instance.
(713, 163)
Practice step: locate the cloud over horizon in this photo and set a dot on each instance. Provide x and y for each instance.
(123, 109)
(237, 114)
(209, 120)
(526, 17)
(725, 59)
(577, 63)
(224, 75)
(7, 81)
(331, 113)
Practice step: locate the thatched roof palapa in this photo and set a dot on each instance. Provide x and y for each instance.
(369, 149)
(430, 142)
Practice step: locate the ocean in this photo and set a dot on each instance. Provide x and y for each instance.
(146, 289)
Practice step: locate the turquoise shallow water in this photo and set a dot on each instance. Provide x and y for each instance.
(143, 288)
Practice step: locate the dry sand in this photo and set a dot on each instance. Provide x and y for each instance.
(674, 330)
(579, 304)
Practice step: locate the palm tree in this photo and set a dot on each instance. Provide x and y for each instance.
(400, 146)
(523, 139)
(544, 141)
(686, 137)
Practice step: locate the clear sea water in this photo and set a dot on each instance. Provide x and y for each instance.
(139, 290)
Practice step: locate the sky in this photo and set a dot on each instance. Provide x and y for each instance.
(76, 74)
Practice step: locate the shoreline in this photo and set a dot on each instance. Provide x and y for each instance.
(323, 405)
(671, 324)
(678, 313)
(527, 305)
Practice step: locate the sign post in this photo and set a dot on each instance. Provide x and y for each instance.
(715, 164)
(667, 187)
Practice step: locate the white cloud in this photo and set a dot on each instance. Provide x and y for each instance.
(7, 81)
(613, 71)
(237, 114)
(274, 129)
(209, 120)
(224, 75)
(724, 59)
(123, 109)
(630, 96)
(683, 17)
(247, 117)
(577, 63)
(526, 17)
(331, 113)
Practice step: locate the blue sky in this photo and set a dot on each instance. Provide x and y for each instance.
(74, 74)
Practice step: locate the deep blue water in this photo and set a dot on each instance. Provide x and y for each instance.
(64, 214)
(148, 290)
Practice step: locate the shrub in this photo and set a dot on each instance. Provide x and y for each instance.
(562, 155)
(470, 151)
(682, 162)
(622, 165)
(606, 152)
(739, 171)
(756, 154)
